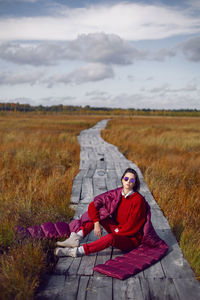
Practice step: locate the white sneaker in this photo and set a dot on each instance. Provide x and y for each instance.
(72, 252)
(71, 242)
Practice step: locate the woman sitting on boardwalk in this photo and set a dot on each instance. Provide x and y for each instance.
(122, 212)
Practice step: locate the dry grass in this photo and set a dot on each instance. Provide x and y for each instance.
(167, 150)
(39, 157)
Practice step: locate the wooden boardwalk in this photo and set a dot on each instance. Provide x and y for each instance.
(101, 167)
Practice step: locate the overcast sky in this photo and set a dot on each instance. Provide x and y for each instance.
(128, 54)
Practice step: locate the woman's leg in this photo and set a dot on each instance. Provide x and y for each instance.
(121, 242)
(87, 227)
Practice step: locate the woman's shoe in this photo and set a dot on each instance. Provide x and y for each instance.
(72, 252)
(71, 242)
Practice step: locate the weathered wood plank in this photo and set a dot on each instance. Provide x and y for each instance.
(103, 256)
(87, 190)
(162, 289)
(158, 220)
(82, 290)
(81, 208)
(111, 184)
(74, 266)
(99, 288)
(51, 287)
(76, 191)
(187, 288)
(87, 264)
(63, 265)
(175, 266)
(155, 271)
(69, 292)
(127, 289)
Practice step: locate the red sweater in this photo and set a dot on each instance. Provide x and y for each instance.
(130, 215)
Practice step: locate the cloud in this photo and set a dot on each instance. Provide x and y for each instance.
(96, 93)
(131, 21)
(108, 48)
(97, 47)
(14, 1)
(191, 49)
(31, 54)
(15, 78)
(163, 53)
(48, 101)
(165, 88)
(87, 73)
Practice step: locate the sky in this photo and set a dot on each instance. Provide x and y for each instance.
(122, 54)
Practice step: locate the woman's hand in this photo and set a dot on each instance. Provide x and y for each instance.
(97, 229)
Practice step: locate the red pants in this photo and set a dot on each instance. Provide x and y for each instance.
(124, 243)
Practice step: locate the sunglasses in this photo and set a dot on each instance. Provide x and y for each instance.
(132, 180)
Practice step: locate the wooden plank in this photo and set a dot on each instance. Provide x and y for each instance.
(91, 169)
(175, 266)
(76, 191)
(111, 184)
(187, 288)
(81, 208)
(51, 287)
(103, 256)
(87, 189)
(69, 292)
(99, 288)
(168, 237)
(110, 165)
(87, 264)
(63, 265)
(149, 198)
(82, 289)
(74, 266)
(127, 289)
(154, 271)
(162, 289)
(158, 220)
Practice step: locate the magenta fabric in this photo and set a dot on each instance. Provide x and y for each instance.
(36, 232)
(62, 228)
(46, 230)
(150, 251)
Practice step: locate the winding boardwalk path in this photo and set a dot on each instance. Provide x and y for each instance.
(101, 167)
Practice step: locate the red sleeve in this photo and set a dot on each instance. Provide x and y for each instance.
(93, 212)
(135, 220)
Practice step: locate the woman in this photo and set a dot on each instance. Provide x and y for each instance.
(122, 212)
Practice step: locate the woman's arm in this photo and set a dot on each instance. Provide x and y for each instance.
(94, 216)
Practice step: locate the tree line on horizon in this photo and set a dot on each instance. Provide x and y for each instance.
(74, 109)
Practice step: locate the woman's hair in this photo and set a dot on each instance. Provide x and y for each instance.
(137, 180)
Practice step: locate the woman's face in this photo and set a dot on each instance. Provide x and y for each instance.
(128, 181)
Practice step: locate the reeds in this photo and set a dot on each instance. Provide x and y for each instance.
(39, 157)
(167, 150)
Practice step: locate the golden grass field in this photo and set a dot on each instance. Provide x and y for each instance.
(39, 157)
(167, 150)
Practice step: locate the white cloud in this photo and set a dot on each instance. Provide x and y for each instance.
(15, 78)
(163, 53)
(97, 47)
(191, 49)
(130, 21)
(86, 73)
(165, 88)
